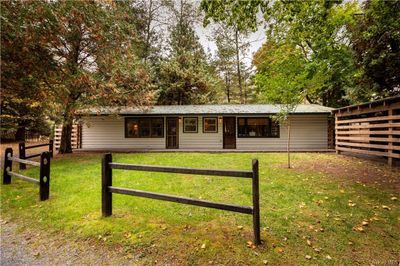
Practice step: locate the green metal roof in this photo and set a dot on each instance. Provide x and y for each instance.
(205, 109)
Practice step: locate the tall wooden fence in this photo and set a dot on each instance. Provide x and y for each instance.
(75, 136)
(370, 128)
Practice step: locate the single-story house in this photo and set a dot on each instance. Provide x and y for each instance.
(204, 127)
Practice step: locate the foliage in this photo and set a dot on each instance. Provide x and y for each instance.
(241, 14)
(94, 45)
(375, 39)
(186, 76)
(231, 46)
(25, 67)
(304, 203)
(317, 29)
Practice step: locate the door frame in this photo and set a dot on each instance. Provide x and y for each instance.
(223, 131)
(177, 132)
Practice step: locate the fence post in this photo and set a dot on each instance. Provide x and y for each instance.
(44, 184)
(106, 195)
(51, 145)
(256, 203)
(7, 166)
(22, 155)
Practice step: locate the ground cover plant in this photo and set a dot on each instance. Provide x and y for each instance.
(328, 209)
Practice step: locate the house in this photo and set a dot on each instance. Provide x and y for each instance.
(204, 127)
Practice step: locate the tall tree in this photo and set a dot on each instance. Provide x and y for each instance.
(317, 30)
(375, 36)
(231, 48)
(185, 76)
(95, 47)
(25, 66)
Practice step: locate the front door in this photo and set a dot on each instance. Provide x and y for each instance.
(172, 133)
(229, 138)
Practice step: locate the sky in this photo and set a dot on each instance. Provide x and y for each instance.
(256, 40)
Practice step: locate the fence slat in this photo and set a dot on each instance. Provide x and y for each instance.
(23, 177)
(184, 200)
(32, 155)
(24, 161)
(182, 170)
(36, 146)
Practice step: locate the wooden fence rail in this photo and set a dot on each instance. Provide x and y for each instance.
(370, 128)
(23, 156)
(108, 189)
(44, 179)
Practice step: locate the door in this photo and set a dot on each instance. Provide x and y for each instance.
(229, 133)
(172, 133)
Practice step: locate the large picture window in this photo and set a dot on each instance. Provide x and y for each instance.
(144, 127)
(210, 124)
(190, 124)
(257, 127)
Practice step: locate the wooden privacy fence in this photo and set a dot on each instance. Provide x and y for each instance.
(23, 148)
(76, 136)
(108, 189)
(44, 179)
(371, 128)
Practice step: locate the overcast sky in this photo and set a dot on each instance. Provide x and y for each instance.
(256, 40)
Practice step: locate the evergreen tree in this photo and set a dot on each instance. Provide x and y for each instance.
(186, 76)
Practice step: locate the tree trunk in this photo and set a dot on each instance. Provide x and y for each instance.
(288, 144)
(227, 86)
(65, 145)
(20, 134)
(238, 65)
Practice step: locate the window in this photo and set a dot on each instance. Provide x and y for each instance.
(190, 124)
(210, 124)
(144, 127)
(257, 127)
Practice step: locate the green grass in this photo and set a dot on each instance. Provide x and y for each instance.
(296, 206)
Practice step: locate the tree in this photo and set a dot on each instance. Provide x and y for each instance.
(94, 45)
(282, 80)
(25, 66)
(229, 51)
(185, 76)
(318, 30)
(375, 40)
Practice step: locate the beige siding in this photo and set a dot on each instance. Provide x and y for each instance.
(200, 140)
(102, 132)
(307, 132)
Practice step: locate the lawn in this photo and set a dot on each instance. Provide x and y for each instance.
(328, 209)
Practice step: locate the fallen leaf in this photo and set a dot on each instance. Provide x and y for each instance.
(240, 227)
(364, 223)
(203, 246)
(309, 242)
(386, 207)
(251, 245)
(265, 262)
(308, 257)
(328, 257)
(393, 198)
(359, 229)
